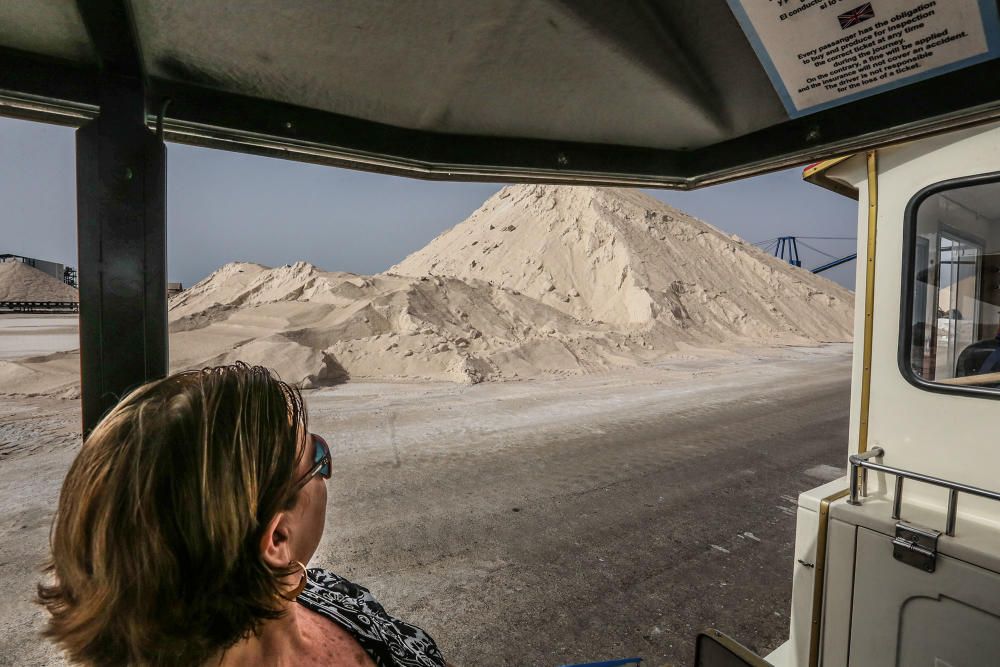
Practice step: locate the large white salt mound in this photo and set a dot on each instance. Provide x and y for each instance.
(540, 281)
(386, 327)
(21, 282)
(622, 257)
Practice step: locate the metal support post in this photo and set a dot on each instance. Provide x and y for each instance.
(897, 498)
(858, 478)
(121, 229)
(952, 516)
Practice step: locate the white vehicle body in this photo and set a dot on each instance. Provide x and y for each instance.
(853, 602)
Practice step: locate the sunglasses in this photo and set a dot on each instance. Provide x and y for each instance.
(321, 460)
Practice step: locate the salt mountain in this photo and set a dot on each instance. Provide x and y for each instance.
(622, 257)
(540, 280)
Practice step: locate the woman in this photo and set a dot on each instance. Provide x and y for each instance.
(182, 529)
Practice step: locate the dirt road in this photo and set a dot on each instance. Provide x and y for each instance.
(534, 523)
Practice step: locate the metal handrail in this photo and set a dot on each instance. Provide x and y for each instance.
(32, 306)
(861, 464)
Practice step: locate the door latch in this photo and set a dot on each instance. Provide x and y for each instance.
(916, 546)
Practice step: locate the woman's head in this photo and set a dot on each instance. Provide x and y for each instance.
(180, 517)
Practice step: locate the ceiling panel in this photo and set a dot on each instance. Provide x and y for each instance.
(49, 28)
(663, 93)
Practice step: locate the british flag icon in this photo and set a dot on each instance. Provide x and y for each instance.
(856, 16)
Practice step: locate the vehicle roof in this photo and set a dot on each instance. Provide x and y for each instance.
(817, 173)
(664, 93)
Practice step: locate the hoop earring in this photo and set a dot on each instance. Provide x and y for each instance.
(302, 582)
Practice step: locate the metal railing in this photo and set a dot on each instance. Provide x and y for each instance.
(40, 306)
(862, 463)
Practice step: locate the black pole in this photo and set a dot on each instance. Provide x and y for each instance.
(121, 182)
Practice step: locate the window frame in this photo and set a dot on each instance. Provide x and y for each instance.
(908, 285)
(957, 235)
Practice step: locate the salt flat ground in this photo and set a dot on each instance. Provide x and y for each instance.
(28, 335)
(531, 523)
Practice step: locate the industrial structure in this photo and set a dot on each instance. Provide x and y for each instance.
(787, 248)
(54, 269)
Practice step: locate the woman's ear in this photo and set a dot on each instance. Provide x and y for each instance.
(274, 545)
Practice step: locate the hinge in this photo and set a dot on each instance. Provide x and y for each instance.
(916, 546)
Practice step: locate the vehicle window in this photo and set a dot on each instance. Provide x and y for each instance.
(954, 332)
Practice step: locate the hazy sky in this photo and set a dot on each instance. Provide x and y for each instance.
(223, 207)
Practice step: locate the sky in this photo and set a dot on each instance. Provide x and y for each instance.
(224, 207)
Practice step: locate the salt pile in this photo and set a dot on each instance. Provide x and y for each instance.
(317, 327)
(21, 282)
(622, 257)
(540, 281)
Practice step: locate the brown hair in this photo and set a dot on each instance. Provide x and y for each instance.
(156, 542)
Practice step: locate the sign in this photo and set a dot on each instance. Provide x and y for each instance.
(821, 53)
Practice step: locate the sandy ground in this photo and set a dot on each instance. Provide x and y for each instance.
(24, 335)
(531, 523)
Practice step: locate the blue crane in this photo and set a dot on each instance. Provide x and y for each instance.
(787, 248)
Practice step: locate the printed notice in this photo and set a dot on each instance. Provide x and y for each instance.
(820, 53)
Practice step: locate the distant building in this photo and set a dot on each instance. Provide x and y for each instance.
(54, 269)
(174, 288)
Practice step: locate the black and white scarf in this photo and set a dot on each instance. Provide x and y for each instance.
(389, 641)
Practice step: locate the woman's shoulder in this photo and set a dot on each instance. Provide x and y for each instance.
(390, 641)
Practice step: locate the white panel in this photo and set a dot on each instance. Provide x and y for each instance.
(806, 531)
(954, 437)
(838, 593)
(905, 616)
